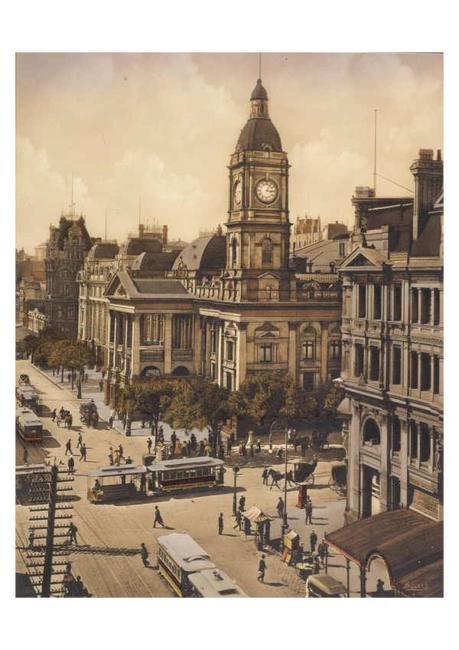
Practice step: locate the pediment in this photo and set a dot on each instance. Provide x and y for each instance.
(368, 258)
(268, 275)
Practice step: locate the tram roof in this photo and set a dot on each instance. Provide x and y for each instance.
(26, 416)
(22, 470)
(213, 583)
(186, 552)
(115, 470)
(27, 390)
(185, 463)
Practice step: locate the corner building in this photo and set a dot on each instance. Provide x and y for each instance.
(392, 330)
(229, 304)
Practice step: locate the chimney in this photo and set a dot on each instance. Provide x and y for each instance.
(428, 183)
(164, 235)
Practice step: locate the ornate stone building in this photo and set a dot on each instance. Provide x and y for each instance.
(392, 344)
(229, 305)
(66, 250)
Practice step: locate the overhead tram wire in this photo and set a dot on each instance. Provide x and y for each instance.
(389, 180)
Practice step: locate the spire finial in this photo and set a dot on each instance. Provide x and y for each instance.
(259, 66)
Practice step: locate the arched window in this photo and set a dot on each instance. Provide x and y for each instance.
(233, 252)
(266, 252)
(371, 433)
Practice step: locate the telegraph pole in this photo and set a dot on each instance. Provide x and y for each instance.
(49, 549)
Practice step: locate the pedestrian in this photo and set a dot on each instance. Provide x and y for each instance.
(71, 464)
(71, 532)
(270, 441)
(53, 415)
(80, 440)
(120, 451)
(83, 452)
(68, 447)
(220, 523)
(261, 569)
(144, 555)
(31, 539)
(251, 448)
(279, 453)
(322, 550)
(149, 444)
(242, 504)
(26, 455)
(158, 519)
(116, 454)
(238, 517)
(247, 526)
(316, 565)
(280, 507)
(308, 511)
(228, 446)
(69, 420)
(313, 541)
(128, 461)
(101, 385)
(69, 377)
(110, 457)
(110, 422)
(265, 476)
(258, 446)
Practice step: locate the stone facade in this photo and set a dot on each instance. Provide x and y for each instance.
(230, 305)
(392, 346)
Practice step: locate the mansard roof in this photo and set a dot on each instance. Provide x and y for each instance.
(203, 254)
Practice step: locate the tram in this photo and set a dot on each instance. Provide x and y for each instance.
(190, 572)
(114, 483)
(178, 557)
(27, 397)
(28, 426)
(186, 473)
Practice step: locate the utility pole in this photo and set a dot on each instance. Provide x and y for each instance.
(49, 549)
(374, 150)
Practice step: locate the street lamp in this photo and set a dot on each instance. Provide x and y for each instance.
(235, 473)
(285, 522)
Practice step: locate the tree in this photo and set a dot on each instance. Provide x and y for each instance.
(197, 402)
(261, 396)
(148, 398)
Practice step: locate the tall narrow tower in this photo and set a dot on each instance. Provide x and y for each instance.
(258, 228)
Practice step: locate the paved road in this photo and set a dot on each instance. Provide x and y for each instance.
(107, 529)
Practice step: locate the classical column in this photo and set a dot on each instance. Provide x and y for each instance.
(135, 345)
(126, 318)
(293, 350)
(115, 340)
(241, 356)
(404, 429)
(168, 343)
(419, 373)
(384, 465)
(197, 346)
(324, 352)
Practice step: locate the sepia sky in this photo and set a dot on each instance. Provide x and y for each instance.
(161, 127)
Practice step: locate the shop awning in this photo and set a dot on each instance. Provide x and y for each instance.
(409, 543)
(256, 516)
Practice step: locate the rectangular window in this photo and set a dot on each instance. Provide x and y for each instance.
(229, 380)
(230, 350)
(377, 302)
(342, 250)
(213, 341)
(425, 306)
(396, 365)
(414, 370)
(414, 306)
(413, 440)
(266, 353)
(308, 350)
(362, 301)
(397, 306)
(425, 371)
(424, 443)
(374, 363)
(436, 378)
(436, 319)
(358, 360)
(335, 349)
(396, 435)
(308, 381)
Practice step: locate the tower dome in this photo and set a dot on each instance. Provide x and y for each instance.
(259, 133)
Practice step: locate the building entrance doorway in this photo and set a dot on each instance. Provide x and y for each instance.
(371, 492)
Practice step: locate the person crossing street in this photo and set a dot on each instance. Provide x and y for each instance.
(158, 519)
(220, 523)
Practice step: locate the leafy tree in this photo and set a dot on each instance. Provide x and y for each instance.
(261, 396)
(197, 402)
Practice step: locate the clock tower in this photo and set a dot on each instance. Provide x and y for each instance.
(258, 228)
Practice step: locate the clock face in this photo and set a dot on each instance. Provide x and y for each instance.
(266, 191)
(237, 193)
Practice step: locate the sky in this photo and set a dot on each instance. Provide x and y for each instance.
(155, 132)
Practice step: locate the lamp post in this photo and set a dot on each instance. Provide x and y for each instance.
(235, 473)
(285, 522)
